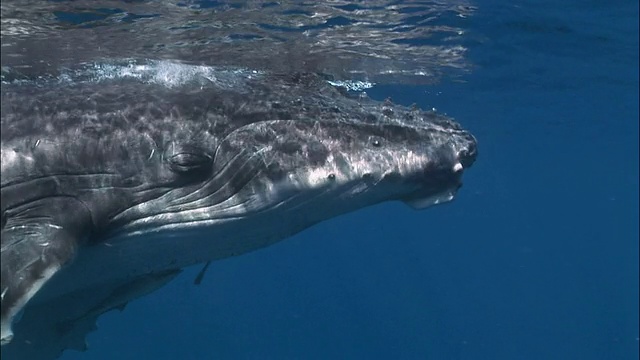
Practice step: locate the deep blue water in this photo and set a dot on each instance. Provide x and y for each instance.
(537, 258)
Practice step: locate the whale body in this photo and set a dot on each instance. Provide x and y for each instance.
(109, 188)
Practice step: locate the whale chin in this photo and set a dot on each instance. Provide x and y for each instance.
(420, 203)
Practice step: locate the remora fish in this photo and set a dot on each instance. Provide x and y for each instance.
(110, 187)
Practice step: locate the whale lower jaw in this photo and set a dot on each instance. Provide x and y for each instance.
(428, 201)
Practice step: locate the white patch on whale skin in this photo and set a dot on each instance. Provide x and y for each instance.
(429, 201)
(9, 158)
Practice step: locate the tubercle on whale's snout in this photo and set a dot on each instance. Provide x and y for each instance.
(439, 183)
(469, 152)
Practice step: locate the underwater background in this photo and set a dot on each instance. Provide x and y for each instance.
(536, 258)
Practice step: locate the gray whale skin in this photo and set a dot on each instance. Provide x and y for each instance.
(109, 188)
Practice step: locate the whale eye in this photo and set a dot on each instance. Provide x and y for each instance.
(189, 160)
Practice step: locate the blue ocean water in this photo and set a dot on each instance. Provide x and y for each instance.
(537, 258)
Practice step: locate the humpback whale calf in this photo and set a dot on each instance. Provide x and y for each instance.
(111, 186)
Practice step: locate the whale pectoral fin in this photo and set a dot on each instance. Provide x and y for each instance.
(35, 253)
(43, 334)
(37, 240)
